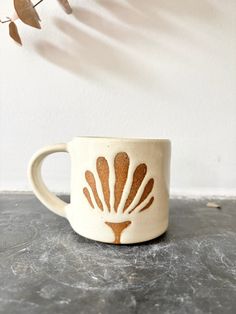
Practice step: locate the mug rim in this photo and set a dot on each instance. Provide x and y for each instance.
(126, 139)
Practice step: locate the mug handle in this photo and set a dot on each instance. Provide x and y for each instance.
(50, 200)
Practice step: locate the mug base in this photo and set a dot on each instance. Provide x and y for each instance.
(127, 242)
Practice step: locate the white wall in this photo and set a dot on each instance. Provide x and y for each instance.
(142, 68)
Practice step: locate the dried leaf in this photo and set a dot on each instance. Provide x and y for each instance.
(66, 6)
(13, 32)
(27, 13)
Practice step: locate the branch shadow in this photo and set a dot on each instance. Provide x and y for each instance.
(127, 45)
(201, 10)
(90, 57)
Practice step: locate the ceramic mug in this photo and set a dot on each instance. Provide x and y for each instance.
(119, 187)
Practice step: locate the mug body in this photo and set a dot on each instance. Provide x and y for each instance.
(119, 188)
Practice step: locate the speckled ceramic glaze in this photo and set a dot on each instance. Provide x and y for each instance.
(119, 187)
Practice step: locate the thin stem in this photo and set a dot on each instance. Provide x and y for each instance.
(5, 21)
(8, 20)
(37, 3)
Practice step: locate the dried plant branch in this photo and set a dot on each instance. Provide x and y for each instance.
(26, 13)
(8, 20)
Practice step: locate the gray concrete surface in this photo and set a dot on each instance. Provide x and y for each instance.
(46, 268)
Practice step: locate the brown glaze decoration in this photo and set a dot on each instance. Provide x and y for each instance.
(121, 168)
(91, 181)
(121, 165)
(148, 205)
(118, 228)
(103, 173)
(138, 177)
(147, 190)
(87, 195)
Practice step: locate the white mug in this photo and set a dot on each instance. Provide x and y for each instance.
(119, 187)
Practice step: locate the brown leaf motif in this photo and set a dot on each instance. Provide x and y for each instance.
(121, 171)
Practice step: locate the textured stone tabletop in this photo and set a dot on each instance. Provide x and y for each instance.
(46, 268)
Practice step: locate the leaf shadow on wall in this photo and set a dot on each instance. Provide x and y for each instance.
(132, 44)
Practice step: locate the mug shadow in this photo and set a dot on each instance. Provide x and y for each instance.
(128, 43)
